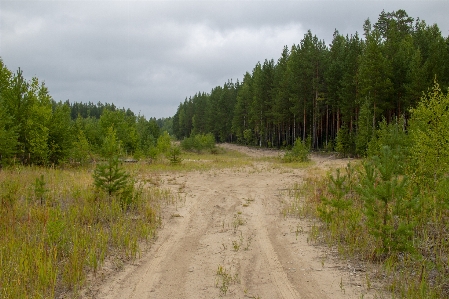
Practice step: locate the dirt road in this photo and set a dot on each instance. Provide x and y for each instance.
(230, 223)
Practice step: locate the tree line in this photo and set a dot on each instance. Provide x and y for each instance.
(334, 95)
(37, 130)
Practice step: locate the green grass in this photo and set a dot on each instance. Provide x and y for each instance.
(421, 272)
(196, 162)
(53, 234)
(55, 227)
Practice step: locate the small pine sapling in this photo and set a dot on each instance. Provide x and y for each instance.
(174, 155)
(383, 190)
(337, 202)
(110, 176)
(39, 189)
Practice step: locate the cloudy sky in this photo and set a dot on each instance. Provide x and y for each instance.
(150, 55)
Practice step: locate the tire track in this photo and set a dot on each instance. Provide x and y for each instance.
(182, 263)
(280, 278)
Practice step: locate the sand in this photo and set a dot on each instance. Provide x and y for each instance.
(231, 218)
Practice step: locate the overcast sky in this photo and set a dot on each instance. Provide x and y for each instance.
(150, 55)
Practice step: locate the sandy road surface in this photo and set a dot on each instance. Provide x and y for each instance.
(231, 219)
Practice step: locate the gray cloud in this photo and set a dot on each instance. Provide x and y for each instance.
(150, 55)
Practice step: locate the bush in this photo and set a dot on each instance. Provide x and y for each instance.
(299, 153)
(199, 143)
(163, 143)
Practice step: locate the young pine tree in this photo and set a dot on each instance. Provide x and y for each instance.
(364, 129)
(110, 176)
(387, 211)
(343, 141)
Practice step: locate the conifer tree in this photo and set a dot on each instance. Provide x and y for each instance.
(110, 176)
(344, 141)
(383, 191)
(364, 129)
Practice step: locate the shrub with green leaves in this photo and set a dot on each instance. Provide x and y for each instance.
(429, 128)
(248, 136)
(199, 143)
(299, 153)
(80, 152)
(163, 143)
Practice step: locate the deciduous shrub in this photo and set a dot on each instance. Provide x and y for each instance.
(199, 143)
(299, 153)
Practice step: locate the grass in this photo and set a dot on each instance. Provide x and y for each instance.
(421, 272)
(197, 162)
(55, 227)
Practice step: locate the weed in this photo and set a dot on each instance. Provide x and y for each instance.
(248, 202)
(368, 282)
(225, 279)
(236, 245)
(237, 221)
(299, 230)
(342, 287)
(47, 246)
(248, 243)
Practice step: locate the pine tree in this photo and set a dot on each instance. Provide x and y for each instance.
(110, 176)
(364, 129)
(374, 75)
(343, 142)
(383, 190)
(174, 155)
(241, 120)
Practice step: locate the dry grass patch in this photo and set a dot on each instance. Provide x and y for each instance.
(55, 227)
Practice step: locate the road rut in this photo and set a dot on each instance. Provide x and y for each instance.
(231, 219)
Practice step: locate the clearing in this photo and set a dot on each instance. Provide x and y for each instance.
(227, 237)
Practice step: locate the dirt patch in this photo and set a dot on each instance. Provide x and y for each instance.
(227, 238)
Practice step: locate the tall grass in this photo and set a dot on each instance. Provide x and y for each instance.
(55, 227)
(415, 262)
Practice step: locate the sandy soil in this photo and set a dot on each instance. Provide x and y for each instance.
(231, 218)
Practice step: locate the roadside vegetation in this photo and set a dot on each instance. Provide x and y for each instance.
(392, 208)
(56, 226)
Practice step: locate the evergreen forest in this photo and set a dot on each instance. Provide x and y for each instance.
(335, 96)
